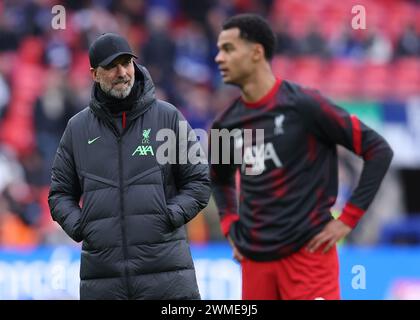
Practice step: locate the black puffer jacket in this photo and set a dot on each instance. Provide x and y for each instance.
(109, 191)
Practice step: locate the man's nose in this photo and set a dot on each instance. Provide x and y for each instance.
(218, 58)
(121, 70)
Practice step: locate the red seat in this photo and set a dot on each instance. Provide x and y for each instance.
(406, 77)
(375, 81)
(308, 71)
(282, 66)
(341, 79)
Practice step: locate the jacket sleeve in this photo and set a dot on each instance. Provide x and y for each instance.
(223, 184)
(192, 179)
(65, 190)
(334, 125)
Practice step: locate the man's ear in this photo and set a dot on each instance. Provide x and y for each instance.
(94, 73)
(258, 52)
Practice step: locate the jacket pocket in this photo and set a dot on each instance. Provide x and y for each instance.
(163, 187)
(92, 185)
(166, 217)
(85, 214)
(83, 222)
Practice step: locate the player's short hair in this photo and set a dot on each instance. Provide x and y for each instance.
(255, 29)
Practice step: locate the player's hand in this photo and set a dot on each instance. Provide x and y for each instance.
(236, 254)
(334, 231)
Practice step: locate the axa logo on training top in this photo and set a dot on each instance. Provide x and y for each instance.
(255, 156)
(145, 148)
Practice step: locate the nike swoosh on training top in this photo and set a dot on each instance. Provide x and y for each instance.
(93, 140)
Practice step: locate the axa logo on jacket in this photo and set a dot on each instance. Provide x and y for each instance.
(144, 150)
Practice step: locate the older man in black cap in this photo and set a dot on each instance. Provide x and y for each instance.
(109, 190)
(110, 58)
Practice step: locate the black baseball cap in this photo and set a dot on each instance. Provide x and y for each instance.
(106, 48)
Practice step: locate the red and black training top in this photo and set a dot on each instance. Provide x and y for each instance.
(288, 202)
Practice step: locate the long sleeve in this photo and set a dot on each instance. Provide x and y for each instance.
(223, 185)
(65, 190)
(334, 125)
(192, 179)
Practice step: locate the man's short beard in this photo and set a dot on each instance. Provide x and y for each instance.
(115, 93)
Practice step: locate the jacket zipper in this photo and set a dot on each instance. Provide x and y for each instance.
(123, 231)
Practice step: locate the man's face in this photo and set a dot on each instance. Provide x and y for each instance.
(235, 57)
(117, 78)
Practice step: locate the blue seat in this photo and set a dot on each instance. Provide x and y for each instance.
(403, 231)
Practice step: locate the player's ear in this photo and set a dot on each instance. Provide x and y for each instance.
(258, 52)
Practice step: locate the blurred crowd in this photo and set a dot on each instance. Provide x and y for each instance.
(45, 78)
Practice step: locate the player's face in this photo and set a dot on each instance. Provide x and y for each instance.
(117, 78)
(234, 57)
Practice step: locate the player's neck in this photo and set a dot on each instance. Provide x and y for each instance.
(258, 85)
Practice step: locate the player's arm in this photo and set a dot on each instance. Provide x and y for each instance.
(224, 188)
(223, 183)
(334, 125)
(65, 190)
